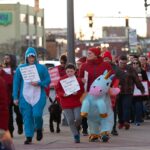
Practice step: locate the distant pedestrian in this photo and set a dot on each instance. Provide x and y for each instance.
(30, 95)
(5, 138)
(71, 104)
(127, 82)
(9, 67)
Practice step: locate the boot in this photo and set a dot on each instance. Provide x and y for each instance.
(77, 138)
(39, 135)
(114, 132)
(28, 140)
(20, 129)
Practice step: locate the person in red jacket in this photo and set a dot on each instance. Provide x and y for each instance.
(5, 138)
(71, 104)
(94, 66)
(9, 66)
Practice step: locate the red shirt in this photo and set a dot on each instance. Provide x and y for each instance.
(71, 101)
(9, 83)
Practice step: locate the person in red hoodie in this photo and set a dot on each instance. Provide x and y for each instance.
(9, 66)
(5, 138)
(94, 66)
(71, 104)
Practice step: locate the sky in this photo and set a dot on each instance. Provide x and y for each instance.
(56, 13)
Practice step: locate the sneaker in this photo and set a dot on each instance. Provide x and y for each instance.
(137, 124)
(28, 140)
(39, 135)
(77, 138)
(121, 125)
(127, 125)
(114, 132)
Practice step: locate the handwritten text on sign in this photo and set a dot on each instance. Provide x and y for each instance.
(70, 85)
(30, 73)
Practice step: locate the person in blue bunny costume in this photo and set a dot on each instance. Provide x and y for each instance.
(97, 108)
(30, 95)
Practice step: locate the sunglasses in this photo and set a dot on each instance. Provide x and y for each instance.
(135, 63)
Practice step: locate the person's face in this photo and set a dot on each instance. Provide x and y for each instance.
(122, 63)
(70, 72)
(31, 60)
(62, 63)
(106, 59)
(91, 55)
(131, 58)
(142, 60)
(6, 60)
(135, 64)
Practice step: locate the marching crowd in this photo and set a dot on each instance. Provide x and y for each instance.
(28, 98)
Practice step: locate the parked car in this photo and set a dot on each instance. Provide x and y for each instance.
(49, 63)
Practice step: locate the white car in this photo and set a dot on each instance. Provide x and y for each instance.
(49, 63)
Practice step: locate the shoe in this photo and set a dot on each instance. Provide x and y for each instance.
(127, 125)
(105, 138)
(39, 135)
(28, 140)
(20, 130)
(137, 124)
(114, 132)
(77, 138)
(121, 125)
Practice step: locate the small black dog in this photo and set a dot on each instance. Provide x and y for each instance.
(55, 111)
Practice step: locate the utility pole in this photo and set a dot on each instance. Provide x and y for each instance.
(70, 31)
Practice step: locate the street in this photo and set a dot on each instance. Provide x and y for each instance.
(137, 138)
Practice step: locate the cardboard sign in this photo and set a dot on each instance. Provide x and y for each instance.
(54, 74)
(137, 92)
(70, 85)
(30, 73)
(86, 80)
(148, 75)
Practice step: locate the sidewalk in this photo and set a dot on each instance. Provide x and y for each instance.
(137, 138)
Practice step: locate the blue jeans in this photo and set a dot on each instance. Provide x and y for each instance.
(124, 105)
(137, 107)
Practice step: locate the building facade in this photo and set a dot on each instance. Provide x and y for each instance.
(21, 26)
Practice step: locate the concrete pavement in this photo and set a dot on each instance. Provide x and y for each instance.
(137, 138)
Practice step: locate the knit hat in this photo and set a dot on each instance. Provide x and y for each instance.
(95, 50)
(82, 59)
(107, 54)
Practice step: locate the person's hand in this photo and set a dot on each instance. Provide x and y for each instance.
(75, 93)
(16, 102)
(83, 80)
(65, 95)
(34, 83)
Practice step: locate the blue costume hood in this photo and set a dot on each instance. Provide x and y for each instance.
(30, 52)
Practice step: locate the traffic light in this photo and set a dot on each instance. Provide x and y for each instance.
(90, 21)
(90, 18)
(145, 4)
(127, 22)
